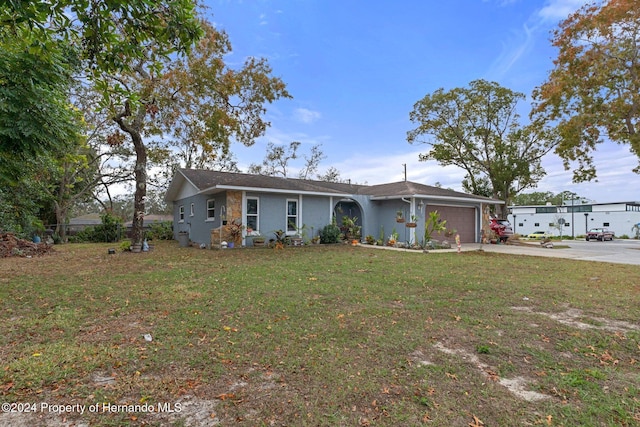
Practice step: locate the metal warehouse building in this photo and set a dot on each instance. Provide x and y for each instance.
(575, 220)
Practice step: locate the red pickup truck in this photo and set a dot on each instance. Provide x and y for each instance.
(600, 234)
(502, 228)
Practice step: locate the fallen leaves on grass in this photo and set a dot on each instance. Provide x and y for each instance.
(477, 422)
(492, 375)
(225, 396)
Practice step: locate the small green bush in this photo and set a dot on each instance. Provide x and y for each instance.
(109, 231)
(330, 234)
(161, 231)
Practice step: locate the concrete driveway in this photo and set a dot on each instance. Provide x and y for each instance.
(616, 251)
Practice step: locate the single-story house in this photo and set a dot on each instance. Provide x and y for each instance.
(204, 200)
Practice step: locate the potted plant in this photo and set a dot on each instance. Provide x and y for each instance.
(393, 238)
(433, 225)
(413, 223)
(234, 228)
(399, 216)
(281, 238)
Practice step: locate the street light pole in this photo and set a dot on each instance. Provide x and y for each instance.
(586, 222)
(573, 234)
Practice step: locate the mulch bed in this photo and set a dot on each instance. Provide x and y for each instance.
(10, 245)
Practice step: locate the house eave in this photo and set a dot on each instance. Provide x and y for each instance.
(440, 198)
(270, 190)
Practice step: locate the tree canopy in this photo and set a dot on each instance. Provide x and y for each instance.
(542, 198)
(110, 34)
(593, 92)
(477, 129)
(36, 117)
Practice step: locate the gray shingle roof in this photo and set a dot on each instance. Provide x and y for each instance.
(206, 179)
(409, 189)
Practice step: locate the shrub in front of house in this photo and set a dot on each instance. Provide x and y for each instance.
(330, 234)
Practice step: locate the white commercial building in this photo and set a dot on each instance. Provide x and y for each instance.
(575, 220)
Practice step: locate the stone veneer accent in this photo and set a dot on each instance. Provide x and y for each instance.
(234, 212)
(486, 221)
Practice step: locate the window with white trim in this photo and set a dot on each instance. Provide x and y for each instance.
(181, 213)
(292, 216)
(252, 213)
(211, 209)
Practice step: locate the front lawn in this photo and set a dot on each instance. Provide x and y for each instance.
(317, 336)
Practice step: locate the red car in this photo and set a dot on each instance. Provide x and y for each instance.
(600, 234)
(502, 228)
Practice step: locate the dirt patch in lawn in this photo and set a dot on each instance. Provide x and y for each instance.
(516, 386)
(576, 318)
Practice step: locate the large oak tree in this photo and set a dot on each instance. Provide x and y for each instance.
(198, 100)
(593, 92)
(477, 129)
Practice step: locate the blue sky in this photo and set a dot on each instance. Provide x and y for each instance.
(355, 69)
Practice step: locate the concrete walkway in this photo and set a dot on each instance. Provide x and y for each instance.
(621, 255)
(620, 252)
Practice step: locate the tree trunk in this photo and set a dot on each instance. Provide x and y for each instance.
(140, 172)
(61, 221)
(137, 229)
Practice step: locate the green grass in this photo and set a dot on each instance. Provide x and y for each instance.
(322, 335)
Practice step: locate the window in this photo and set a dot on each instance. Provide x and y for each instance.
(211, 209)
(181, 213)
(252, 214)
(579, 208)
(547, 209)
(192, 212)
(567, 224)
(552, 224)
(537, 224)
(605, 224)
(292, 216)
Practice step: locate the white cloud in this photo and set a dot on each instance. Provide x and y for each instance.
(614, 183)
(305, 115)
(522, 41)
(556, 10)
(514, 49)
(366, 169)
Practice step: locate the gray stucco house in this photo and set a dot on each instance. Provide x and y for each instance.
(203, 200)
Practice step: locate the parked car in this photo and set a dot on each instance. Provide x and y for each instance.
(502, 228)
(538, 235)
(600, 234)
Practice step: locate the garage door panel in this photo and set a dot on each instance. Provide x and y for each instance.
(460, 218)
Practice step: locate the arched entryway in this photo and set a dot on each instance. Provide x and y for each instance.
(346, 210)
